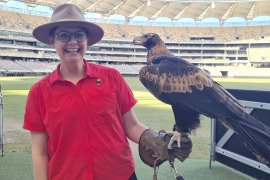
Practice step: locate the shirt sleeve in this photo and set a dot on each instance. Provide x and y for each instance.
(125, 97)
(32, 117)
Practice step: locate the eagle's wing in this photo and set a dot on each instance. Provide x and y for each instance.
(176, 81)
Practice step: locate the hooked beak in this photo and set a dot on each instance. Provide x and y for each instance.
(137, 41)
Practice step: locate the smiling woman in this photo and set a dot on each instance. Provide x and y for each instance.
(84, 98)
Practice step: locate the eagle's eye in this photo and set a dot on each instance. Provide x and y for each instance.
(146, 36)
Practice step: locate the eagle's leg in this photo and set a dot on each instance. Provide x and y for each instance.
(186, 120)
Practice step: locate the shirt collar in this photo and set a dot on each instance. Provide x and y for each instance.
(90, 71)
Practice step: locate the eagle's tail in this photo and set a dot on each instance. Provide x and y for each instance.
(256, 135)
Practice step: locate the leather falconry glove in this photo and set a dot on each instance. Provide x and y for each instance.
(153, 147)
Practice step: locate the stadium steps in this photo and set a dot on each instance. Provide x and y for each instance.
(30, 70)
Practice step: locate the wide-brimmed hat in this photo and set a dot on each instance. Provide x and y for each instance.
(68, 15)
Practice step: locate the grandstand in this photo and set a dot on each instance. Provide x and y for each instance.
(234, 50)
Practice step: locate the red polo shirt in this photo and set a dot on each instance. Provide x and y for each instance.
(86, 136)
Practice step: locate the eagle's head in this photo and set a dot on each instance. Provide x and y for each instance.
(153, 43)
(148, 40)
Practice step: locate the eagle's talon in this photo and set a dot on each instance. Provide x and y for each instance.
(175, 137)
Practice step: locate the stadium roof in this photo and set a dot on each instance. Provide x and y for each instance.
(172, 9)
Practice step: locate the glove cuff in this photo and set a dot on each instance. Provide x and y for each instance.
(151, 145)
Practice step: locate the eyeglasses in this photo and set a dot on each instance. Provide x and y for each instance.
(66, 36)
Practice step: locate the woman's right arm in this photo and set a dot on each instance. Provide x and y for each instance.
(40, 155)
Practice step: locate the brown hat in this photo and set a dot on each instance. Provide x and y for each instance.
(68, 15)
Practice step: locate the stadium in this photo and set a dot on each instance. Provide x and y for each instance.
(228, 38)
(224, 48)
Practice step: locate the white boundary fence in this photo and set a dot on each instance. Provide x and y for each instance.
(226, 154)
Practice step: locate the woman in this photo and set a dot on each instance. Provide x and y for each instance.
(81, 114)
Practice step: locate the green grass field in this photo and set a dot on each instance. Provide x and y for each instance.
(17, 156)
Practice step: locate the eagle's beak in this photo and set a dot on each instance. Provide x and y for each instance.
(137, 41)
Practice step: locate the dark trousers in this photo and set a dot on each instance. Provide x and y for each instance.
(133, 177)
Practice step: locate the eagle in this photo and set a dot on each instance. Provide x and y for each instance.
(191, 92)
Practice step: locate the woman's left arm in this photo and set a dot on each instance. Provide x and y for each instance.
(133, 127)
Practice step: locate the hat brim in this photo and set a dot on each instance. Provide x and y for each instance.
(95, 32)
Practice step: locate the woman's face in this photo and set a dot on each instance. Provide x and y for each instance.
(70, 43)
